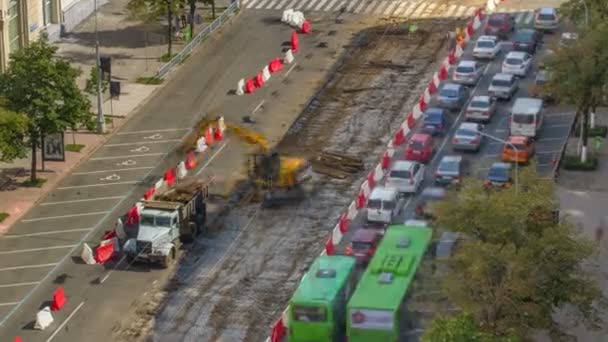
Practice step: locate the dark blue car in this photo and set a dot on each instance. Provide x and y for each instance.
(499, 175)
(435, 122)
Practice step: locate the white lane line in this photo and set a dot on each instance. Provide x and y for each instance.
(271, 4)
(212, 157)
(351, 5)
(560, 114)
(281, 4)
(470, 11)
(26, 267)
(429, 10)
(529, 17)
(310, 5)
(115, 170)
(65, 322)
(360, 7)
(290, 5)
(399, 9)
(340, 5)
(389, 10)
(154, 131)
(370, 7)
(558, 126)
(142, 143)
(460, 12)
(45, 233)
(35, 249)
(290, 69)
(129, 156)
(258, 107)
(320, 4)
(380, 7)
(82, 200)
(330, 5)
(9, 304)
(250, 4)
(300, 4)
(410, 10)
(20, 284)
(64, 216)
(450, 10)
(420, 10)
(261, 4)
(113, 269)
(94, 185)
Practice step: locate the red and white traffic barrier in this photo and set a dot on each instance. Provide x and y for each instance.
(280, 327)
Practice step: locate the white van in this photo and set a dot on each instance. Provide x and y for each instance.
(383, 205)
(526, 117)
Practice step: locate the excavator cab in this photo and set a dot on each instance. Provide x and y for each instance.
(265, 168)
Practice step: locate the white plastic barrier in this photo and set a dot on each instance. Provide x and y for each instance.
(265, 74)
(87, 255)
(182, 172)
(240, 88)
(201, 145)
(120, 229)
(293, 18)
(288, 57)
(286, 17)
(44, 318)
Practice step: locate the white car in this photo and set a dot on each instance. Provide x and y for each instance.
(383, 205)
(486, 47)
(468, 72)
(517, 63)
(406, 176)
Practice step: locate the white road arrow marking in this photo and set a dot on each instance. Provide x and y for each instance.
(112, 177)
(154, 137)
(141, 149)
(127, 163)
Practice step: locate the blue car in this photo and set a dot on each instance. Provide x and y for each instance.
(499, 176)
(435, 122)
(452, 96)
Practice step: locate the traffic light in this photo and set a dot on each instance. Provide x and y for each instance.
(105, 63)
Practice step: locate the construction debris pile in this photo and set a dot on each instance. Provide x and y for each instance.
(336, 165)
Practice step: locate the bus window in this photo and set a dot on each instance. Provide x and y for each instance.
(309, 313)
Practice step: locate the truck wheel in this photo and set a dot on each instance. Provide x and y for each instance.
(169, 258)
(190, 236)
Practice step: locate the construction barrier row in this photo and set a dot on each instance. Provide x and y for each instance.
(280, 327)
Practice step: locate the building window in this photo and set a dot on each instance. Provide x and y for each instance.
(14, 26)
(47, 9)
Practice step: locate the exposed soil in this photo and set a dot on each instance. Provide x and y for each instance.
(362, 103)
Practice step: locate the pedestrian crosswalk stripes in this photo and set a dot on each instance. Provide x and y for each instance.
(385, 8)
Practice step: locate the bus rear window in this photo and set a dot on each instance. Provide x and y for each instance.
(309, 313)
(523, 119)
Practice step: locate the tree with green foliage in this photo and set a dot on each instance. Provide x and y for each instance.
(43, 88)
(579, 74)
(212, 3)
(13, 129)
(517, 265)
(91, 84)
(578, 11)
(150, 11)
(459, 328)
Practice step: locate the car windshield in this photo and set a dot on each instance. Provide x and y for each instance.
(513, 61)
(374, 204)
(360, 246)
(498, 173)
(449, 166)
(485, 44)
(546, 16)
(519, 147)
(523, 36)
(501, 83)
(480, 104)
(523, 118)
(466, 132)
(495, 22)
(416, 145)
(309, 313)
(388, 205)
(400, 174)
(465, 70)
(449, 92)
(432, 117)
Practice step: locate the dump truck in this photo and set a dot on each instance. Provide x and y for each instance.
(172, 216)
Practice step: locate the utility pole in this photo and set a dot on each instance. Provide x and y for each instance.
(101, 121)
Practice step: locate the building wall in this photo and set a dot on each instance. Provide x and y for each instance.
(77, 11)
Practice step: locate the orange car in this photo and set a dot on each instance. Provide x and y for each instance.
(524, 146)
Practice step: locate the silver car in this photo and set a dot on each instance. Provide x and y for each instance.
(467, 137)
(546, 18)
(481, 108)
(468, 73)
(503, 86)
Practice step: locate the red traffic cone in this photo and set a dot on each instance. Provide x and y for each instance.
(361, 200)
(209, 136)
(422, 103)
(217, 134)
(452, 57)
(411, 122)
(294, 41)
(306, 27)
(330, 249)
(386, 160)
(370, 180)
(249, 86)
(343, 223)
(190, 161)
(443, 73)
(59, 299)
(259, 80)
(399, 137)
(432, 88)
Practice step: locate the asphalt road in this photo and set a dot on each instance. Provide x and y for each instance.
(40, 252)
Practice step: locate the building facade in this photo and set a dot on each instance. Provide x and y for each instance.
(22, 21)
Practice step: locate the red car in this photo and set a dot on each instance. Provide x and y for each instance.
(364, 244)
(500, 24)
(419, 148)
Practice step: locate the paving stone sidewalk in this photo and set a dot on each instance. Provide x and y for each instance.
(136, 51)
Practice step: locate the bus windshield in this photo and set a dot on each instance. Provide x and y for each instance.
(309, 313)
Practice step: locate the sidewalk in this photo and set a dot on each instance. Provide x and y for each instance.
(583, 198)
(135, 50)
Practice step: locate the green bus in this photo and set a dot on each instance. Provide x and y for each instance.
(317, 310)
(376, 308)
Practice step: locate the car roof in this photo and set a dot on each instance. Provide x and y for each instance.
(516, 54)
(451, 158)
(403, 165)
(434, 110)
(383, 193)
(547, 10)
(469, 126)
(504, 77)
(365, 235)
(500, 165)
(517, 139)
(487, 38)
(527, 105)
(480, 98)
(420, 137)
(499, 16)
(453, 86)
(467, 63)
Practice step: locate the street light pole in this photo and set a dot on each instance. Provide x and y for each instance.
(491, 137)
(101, 121)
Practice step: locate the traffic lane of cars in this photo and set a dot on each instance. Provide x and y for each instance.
(55, 227)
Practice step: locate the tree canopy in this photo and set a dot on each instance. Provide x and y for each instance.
(518, 265)
(459, 328)
(153, 10)
(13, 129)
(596, 10)
(43, 88)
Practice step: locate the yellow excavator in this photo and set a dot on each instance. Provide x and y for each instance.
(278, 178)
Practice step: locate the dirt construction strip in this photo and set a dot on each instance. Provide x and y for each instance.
(363, 102)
